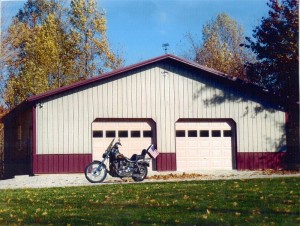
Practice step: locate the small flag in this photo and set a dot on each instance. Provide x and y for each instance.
(152, 151)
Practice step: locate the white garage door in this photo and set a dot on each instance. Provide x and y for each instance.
(134, 137)
(203, 145)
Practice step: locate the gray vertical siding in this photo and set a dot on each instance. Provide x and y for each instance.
(162, 92)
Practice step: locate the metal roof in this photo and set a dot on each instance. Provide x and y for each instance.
(236, 83)
(122, 70)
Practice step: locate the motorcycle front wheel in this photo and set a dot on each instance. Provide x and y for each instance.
(95, 172)
(142, 175)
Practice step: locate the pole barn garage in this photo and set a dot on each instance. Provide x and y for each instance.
(198, 118)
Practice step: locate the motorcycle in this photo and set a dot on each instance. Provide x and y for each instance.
(119, 165)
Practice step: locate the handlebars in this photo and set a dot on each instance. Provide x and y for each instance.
(112, 145)
(117, 144)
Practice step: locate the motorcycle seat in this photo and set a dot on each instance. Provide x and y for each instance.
(136, 157)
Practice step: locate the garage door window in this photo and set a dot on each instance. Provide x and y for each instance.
(123, 133)
(180, 133)
(216, 133)
(204, 133)
(147, 133)
(135, 133)
(192, 133)
(98, 133)
(227, 133)
(110, 133)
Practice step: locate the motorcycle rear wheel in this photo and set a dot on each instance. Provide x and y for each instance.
(94, 173)
(142, 175)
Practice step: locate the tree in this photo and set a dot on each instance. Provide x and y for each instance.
(35, 12)
(220, 48)
(29, 67)
(18, 37)
(49, 46)
(276, 44)
(276, 47)
(3, 111)
(54, 51)
(89, 25)
(45, 62)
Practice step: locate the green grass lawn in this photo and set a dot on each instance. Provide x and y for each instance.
(224, 202)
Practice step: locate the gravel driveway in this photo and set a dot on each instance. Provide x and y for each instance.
(65, 180)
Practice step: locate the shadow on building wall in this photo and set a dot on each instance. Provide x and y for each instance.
(284, 151)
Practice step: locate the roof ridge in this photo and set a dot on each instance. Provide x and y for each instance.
(218, 74)
(98, 77)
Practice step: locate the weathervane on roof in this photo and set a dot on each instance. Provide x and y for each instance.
(165, 47)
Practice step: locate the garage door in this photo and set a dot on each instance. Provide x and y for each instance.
(203, 145)
(134, 136)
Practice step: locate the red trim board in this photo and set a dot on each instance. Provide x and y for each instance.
(261, 160)
(61, 163)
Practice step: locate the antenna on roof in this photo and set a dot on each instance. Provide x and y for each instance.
(165, 47)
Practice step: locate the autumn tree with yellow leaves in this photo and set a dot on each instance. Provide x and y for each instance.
(49, 45)
(89, 28)
(220, 47)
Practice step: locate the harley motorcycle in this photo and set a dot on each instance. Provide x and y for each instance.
(119, 165)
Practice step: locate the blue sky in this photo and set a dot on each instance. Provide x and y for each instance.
(139, 27)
